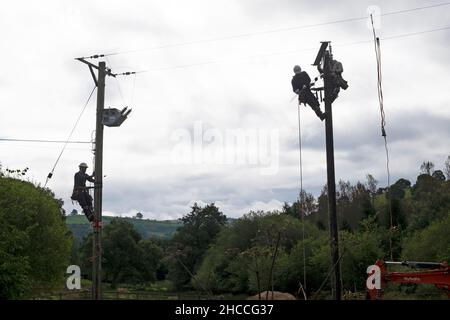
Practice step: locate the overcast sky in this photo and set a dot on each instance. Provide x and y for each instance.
(157, 162)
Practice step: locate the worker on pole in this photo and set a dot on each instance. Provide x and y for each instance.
(301, 85)
(81, 193)
(338, 82)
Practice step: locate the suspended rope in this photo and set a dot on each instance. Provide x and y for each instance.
(68, 138)
(383, 124)
(301, 202)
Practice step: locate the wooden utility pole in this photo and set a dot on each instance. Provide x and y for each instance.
(97, 224)
(112, 118)
(331, 180)
(323, 62)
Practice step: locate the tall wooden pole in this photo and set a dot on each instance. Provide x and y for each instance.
(97, 224)
(334, 241)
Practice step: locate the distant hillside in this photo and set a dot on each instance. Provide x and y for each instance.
(147, 228)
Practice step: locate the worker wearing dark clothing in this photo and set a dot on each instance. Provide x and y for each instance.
(301, 83)
(80, 191)
(336, 78)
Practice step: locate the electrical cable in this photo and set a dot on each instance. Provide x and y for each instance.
(277, 30)
(68, 138)
(263, 55)
(41, 141)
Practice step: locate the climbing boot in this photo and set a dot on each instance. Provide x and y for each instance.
(88, 213)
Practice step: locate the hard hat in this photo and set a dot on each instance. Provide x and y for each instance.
(297, 69)
(83, 165)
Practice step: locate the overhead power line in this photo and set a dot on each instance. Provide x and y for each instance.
(41, 141)
(415, 33)
(277, 30)
(182, 66)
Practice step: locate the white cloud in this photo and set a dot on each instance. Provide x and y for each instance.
(44, 88)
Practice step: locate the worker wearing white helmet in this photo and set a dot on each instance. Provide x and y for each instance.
(80, 191)
(301, 84)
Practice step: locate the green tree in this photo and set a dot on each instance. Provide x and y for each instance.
(14, 263)
(126, 257)
(425, 184)
(371, 185)
(426, 167)
(252, 254)
(439, 175)
(403, 183)
(395, 195)
(360, 250)
(199, 230)
(317, 258)
(121, 253)
(361, 205)
(430, 201)
(35, 243)
(85, 256)
(151, 259)
(429, 244)
(305, 205)
(447, 167)
(320, 217)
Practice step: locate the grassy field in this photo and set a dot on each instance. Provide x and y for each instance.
(160, 290)
(80, 227)
(163, 290)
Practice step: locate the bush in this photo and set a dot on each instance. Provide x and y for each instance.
(430, 244)
(35, 244)
(241, 258)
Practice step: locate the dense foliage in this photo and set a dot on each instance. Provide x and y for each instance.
(188, 246)
(286, 250)
(35, 243)
(127, 258)
(280, 250)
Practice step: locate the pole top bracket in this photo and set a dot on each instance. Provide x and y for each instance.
(320, 54)
(91, 65)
